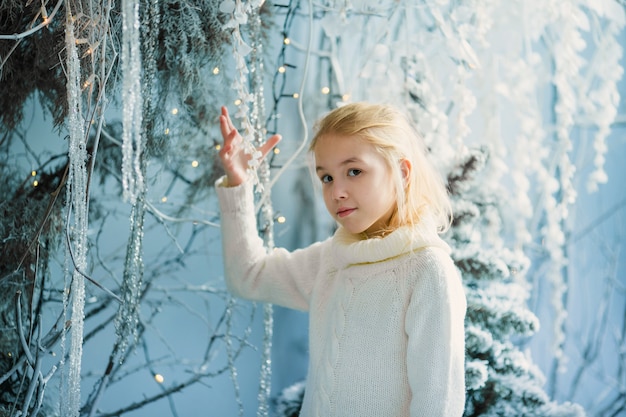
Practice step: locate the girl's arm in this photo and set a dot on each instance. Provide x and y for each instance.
(436, 339)
(279, 277)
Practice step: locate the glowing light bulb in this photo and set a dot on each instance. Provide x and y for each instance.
(159, 378)
(286, 41)
(296, 95)
(281, 219)
(164, 199)
(282, 69)
(216, 70)
(195, 164)
(218, 147)
(33, 173)
(174, 111)
(276, 151)
(237, 102)
(167, 131)
(345, 97)
(325, 90)
(35, 183)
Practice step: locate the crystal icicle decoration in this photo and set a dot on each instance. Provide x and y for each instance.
(127, 319)
(253, 133)
(239, 16)
(77, 226)
(132, 176)
(266, 217)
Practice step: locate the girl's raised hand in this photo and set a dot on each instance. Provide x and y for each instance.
(233, 156)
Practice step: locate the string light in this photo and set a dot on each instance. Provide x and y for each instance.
(35, 183)
(345, 97)
(281, 219)
(286, 41)
(164, 199)
(276, 151)
(174, 111)
(167, 131)
(282, 69)
(218, 147)
(325, 90)
(216, 70)
(238, 102)
(195, 163)
(33, 173)
(296, 95)
(159, 378)
(44, 15)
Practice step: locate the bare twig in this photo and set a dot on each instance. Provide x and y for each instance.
(34, 29)
(90, 279)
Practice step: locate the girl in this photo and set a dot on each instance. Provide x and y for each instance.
(385, 301)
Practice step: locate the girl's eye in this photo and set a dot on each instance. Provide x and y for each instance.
(326, 178)
(353, 172)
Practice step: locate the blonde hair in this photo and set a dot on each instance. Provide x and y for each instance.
(423, 195)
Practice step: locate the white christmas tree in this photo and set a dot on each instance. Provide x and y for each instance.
(501, 379)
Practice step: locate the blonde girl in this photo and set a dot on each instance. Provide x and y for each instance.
(385, 301)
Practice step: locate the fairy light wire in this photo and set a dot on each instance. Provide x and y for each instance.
(266, 192)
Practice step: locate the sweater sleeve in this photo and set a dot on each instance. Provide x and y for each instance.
(279, 277)
(436, 341)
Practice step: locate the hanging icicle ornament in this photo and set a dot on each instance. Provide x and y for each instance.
(76, 227)
(266, 216)
(127, 318)
(133, 171)
(568, 63)
(602, 101)
(251, 114)
(239, 16)
(132, 146)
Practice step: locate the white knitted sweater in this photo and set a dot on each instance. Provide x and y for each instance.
(386, 315)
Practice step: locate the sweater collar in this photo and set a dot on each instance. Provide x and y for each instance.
(349, 249)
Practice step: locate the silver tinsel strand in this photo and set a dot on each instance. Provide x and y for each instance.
(132, 176)
(76, 228)
(133, 172)
(127, 319)
(266, 216)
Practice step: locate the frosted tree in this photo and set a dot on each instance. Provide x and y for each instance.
(501, 379)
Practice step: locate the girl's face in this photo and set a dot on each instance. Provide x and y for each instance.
(357, 184)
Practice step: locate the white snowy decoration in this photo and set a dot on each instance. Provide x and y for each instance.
(77, 226)
(239, 16)
(132, 146)
(251, 115)
(599, 96)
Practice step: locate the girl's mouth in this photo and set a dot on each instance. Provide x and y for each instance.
(345, 212)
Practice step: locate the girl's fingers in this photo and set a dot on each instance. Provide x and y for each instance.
(229, 122)
(269, 144)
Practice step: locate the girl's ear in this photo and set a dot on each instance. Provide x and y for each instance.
(405, 169)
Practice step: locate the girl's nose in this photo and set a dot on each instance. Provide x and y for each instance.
(339, 191)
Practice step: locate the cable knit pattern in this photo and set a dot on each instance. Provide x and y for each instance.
(385, 315)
